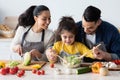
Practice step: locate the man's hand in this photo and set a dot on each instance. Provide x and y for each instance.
(99, 54)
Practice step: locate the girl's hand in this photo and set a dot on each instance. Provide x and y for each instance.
(35, 54)
(51, 55)
(18, 49)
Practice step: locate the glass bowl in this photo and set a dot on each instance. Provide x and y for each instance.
(71, 61)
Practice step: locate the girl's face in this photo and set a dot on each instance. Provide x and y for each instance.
(67, 37)
(43, 20)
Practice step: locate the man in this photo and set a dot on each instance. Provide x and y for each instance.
(92, 30)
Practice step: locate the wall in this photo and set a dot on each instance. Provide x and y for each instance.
(60, 8)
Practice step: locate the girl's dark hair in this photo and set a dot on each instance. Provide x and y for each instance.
(66, 23)
(27, 18)
(91, 13)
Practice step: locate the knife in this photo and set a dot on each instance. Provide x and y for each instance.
(22, 57)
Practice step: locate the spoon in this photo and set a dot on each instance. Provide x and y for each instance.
(61, 58)
(87, 53)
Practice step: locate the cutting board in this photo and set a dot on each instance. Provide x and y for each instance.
(111, 69)
(29, 67)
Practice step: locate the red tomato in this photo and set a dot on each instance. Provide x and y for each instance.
(3, 71)
(19, 75)
(38, 72)
(22, 72)
(42, 72)
(34, 71)
(116, 62)
(7, 69)
(12, 71)
(52, 65)
(16, 68)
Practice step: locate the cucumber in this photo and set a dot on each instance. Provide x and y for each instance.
(83, 70)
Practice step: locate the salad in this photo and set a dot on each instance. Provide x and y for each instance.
(71, 61)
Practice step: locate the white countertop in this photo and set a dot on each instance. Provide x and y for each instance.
(49, 72)
(49, 75)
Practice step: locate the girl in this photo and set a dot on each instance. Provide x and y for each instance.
(66, 44)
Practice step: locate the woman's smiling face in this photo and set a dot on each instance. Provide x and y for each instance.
(44, 19)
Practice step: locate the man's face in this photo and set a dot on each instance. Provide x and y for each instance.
(89, 27)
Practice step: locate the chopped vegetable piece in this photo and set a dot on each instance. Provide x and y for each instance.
(13, 63)
(83, 70)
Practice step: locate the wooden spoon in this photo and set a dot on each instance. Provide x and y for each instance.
(87, 52)
(61, 58)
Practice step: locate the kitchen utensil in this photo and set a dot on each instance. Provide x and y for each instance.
(22, 57)
(65, 61)
(87, 52)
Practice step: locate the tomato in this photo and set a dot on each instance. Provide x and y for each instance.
(51, 65)
(42, 72)
(34, 71)
(12, 71)
(16, 68)
(7, 69)
(3, 71)
(19, 75)
(21, 72)
(116, 62)
(38, 72)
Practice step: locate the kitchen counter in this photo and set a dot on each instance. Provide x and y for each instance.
(50, 75)
(49, 72)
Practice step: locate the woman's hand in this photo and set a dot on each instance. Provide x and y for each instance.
(51, 55)
(99, 54)
(35, 54)
(18, 49)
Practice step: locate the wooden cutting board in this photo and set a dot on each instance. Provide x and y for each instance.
(111, 69)
(29, 67)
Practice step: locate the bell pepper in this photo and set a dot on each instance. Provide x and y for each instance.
(96, 67)
(36, 66)
(2, 64)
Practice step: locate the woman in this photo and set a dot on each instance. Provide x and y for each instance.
(32, 34)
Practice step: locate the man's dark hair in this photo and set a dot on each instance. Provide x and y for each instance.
(91, 13)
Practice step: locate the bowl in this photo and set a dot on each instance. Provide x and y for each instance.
(6, 31)
(71, 61)
(7, 34)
